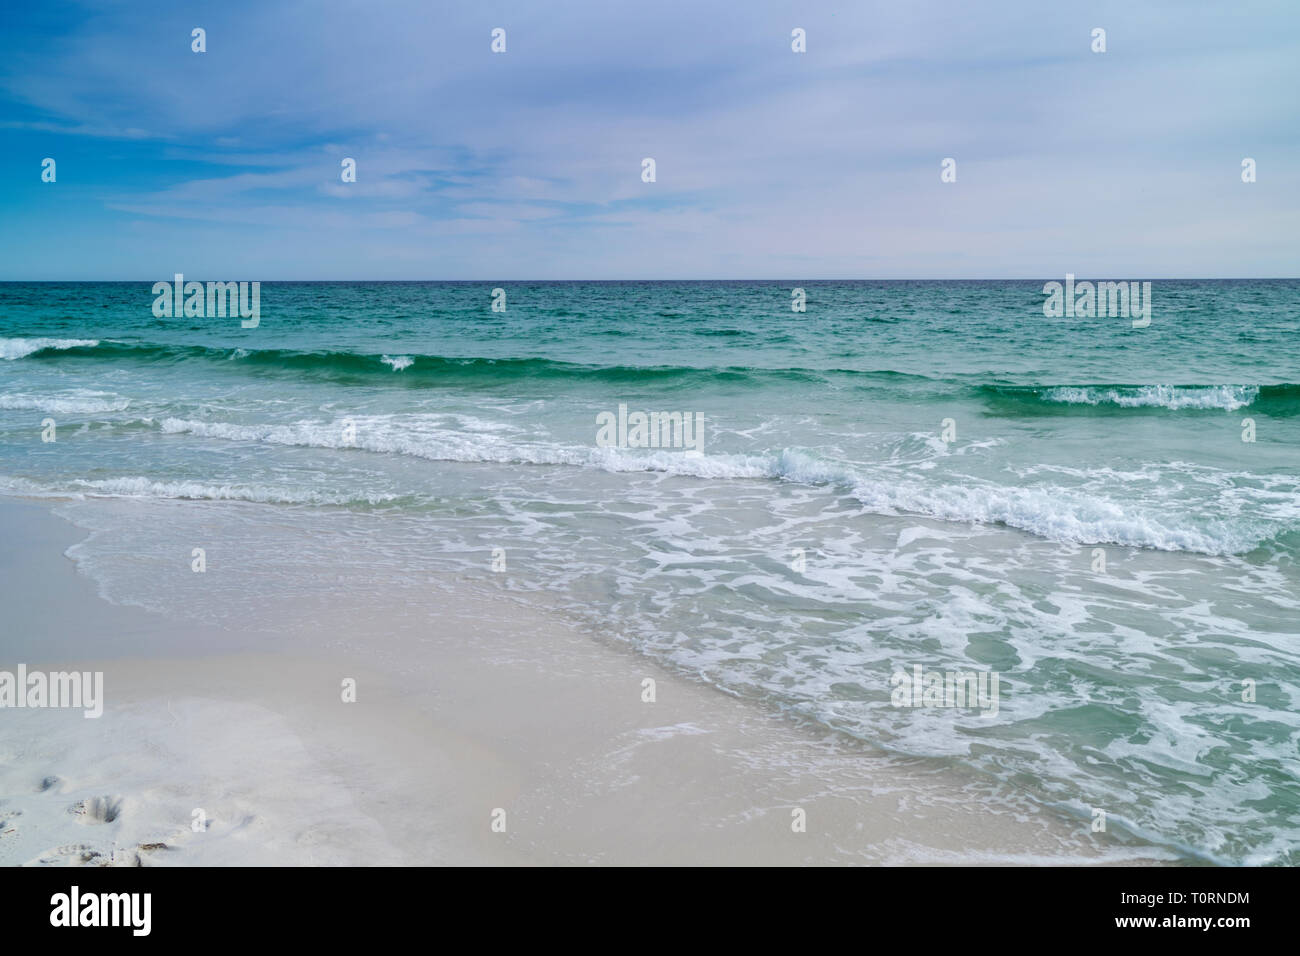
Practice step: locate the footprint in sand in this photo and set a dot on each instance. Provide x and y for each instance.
(70, 854)
(97, 809)
(82, 854)
(8, 826)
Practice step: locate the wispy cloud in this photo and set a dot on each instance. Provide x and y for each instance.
(769, 163)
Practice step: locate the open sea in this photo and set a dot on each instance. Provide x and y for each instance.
(907, 474)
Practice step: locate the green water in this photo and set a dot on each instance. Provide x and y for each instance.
(907, 473)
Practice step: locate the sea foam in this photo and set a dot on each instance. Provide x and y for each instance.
(1227, 397)
(1058, 514)
(11, 349)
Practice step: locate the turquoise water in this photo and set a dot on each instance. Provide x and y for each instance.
(909, 473)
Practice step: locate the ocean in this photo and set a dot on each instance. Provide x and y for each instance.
(908, 477)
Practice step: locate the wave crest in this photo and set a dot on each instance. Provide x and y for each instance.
(1057, 514)
(11, 349)
(1227, 397)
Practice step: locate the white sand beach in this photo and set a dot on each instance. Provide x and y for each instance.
(485, 709)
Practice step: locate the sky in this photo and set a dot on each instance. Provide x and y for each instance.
(769, 164)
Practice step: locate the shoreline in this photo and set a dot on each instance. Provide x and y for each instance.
(490, 707)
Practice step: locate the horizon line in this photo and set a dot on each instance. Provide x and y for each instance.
(710, 279)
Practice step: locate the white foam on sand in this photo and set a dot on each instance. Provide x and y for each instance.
(486, 707)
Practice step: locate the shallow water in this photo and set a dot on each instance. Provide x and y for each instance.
(908, 474)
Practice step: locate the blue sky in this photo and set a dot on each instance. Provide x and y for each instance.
(770, 164)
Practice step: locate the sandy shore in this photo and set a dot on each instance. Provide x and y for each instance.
(486, 709)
